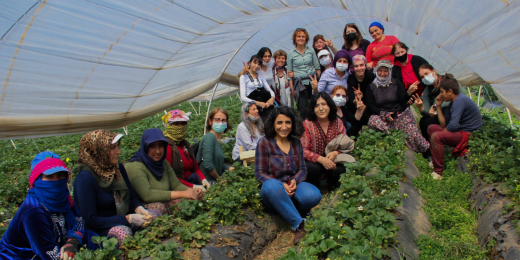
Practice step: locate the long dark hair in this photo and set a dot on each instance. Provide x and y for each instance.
(297, 125)
(311, 115)
(359, 39)
(262, 51)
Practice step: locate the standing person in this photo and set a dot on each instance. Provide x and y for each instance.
(406, 67)
(266, 65)
(303, 64)
(325, 59)
(351, 122)
(461, 119)
(321, 126)
(47, 225)
(337, 75)
(319, 43)
(381, 47)
(152, 177)
(179, 153)
(388, 101)
(357, 86)
(254, 88)
(210, 156)
(354, 43)
(249, 131)
(280, 167)
(102, 191)
(281, 82)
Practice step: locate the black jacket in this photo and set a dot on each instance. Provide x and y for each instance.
(416, 62)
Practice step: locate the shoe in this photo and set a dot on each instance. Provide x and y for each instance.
(299, 233)
(430, 164)
(436, 176)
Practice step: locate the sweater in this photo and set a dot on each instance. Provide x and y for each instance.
(392, 98)
(463, 115)
(416, 62)
(148, 188)
(98, 207)
(211, 156)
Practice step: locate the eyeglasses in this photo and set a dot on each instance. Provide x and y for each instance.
(343, 96)
(219, 120)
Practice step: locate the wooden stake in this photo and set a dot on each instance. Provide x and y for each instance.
(510, 120)
(13, 144)
(193, 108)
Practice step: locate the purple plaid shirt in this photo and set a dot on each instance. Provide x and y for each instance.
(272, 163)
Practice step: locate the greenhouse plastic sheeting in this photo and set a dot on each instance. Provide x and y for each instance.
(71, 66)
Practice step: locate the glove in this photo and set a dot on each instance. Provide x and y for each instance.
(136, 219)
(146, 215)
(206, 184)
(195, 186)
(69, 250)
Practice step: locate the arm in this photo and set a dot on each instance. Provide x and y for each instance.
(301, 173)
(440, 115)
(244, 138)
(371, 103)
(457, 109)
(187, 184)
(139, 179)
(169, 154)
(369, 53)
(307, 140)
(402, 95)
(262, 160)
(266, 86)
(175, 184)
(315, 63)
(426, 103)
(39, 233)
(333, 49)
(243, 95)
(323, 81)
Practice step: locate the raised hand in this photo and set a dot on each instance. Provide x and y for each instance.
(314, 82)
(418, 101)
(438, 101)
(413, 88)
(329, 43)
(359, 104)
(357, 92)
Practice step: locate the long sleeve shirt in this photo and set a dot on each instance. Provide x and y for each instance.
(245, 139)
(314, 139)
(330, 78)
(352, 83)
(247, 86)
(463, 115)
(428, 98)
(273, 163)
(211, 156)
(148, 188)
(303, 65)
(392, 98)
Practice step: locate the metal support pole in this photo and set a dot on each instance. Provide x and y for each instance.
(509, 115)
(199, 107)
(124, 129)
(479, 91)
(13, 144)
(193, 108)
(209, 107)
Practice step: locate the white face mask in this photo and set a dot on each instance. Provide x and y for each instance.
(266, 63)
(341, 66)
(252, 118)
(339, 101)
(429, 80)
(325, 61)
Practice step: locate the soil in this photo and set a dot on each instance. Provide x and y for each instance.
(279, 246)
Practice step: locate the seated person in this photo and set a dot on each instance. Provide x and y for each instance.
(47, 225)
(388, 100)
(280, 166)
(254, 88)
(249, 131)
(102, 191)
(337, 75)
(351, 122)
(210, 156)
(358, 83)
(152, 177)
(406, 67)
(321, 126)
(461, 119)
(179, 154)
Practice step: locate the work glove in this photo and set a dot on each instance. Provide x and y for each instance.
(195, 186)
(206, 184)
(146, 215)
(69, 250)
(137, 220)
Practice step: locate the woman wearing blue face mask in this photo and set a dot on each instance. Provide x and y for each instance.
(210, 156)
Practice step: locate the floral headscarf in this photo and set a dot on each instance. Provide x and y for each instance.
(94, 151)
(359, 58)
(176, 133)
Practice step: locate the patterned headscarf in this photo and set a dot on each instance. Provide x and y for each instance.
(359, 58)
(94, 151)
(380, 82)
(176, 133)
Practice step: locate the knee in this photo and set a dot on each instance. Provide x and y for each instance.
(434, 137)
(310, 195)
(271, 186)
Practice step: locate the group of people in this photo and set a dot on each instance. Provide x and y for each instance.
(337, 92)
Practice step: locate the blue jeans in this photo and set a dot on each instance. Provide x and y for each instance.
(294, 209)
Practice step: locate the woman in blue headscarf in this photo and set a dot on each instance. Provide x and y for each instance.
(47, 225)
(152, 176)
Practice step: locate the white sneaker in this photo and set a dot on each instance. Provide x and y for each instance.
(430, 164)
(436, 176)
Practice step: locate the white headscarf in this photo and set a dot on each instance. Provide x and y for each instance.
(383, 82)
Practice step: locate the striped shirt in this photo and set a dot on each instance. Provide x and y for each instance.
(273, 163)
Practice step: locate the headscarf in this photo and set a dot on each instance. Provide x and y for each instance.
(150, 136)
(342, 54)
(176, 133)
(377, 24)
(380, 82)
(359, 57)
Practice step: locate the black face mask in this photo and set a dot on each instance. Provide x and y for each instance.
(402, 58)
(352, 36)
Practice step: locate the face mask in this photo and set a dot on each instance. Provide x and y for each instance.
(265, 64)
(339, 101)
(342, 66)
(219, 127)
(402, 58)
(252, 118)
(351, 36)
(53, 194)
(325, 61)
(429, 80)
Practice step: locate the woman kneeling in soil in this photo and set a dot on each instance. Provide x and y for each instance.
(47, 225)
(280, 166)
(102, 190)
(152, 177)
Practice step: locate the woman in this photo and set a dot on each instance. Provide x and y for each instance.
(152, 177)
(281, 169)
(337, 75)
(325, 59)
(47, 225)
(388, 99)
(266, 65)
(281, 84)
(179, 153)
(249, 131)
(406, 67)
(303, 64)
(102, 190)
(319, 43)
(354, 42)
(351, 122)
(381, 47)
(321, 126)
(254, 88)
(358, 84)
(210, 155)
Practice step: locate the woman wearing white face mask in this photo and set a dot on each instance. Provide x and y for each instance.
(351, 122)
(249, 131)
(325, 59)
(338, 75)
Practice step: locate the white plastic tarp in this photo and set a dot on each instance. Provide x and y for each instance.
(72, 66)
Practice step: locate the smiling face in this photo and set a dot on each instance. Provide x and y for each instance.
(114, 153)
(255, 65)
(156, 150)
(283, 126)
(359, 67)
(55, 176)
(253, 111)
(280, 60)
(301, 39)
(376, 33)
(319, 45)
(321, 109)
(267, 57)
(383, 72)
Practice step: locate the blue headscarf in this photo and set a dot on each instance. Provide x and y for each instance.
(150, 136)
(378, 25)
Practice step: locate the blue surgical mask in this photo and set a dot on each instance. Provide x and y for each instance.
(219, 128)
(429, 80)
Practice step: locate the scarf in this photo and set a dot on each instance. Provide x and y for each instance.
(150, 136)
(176, 133)
(94, 151)
(380, 82)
